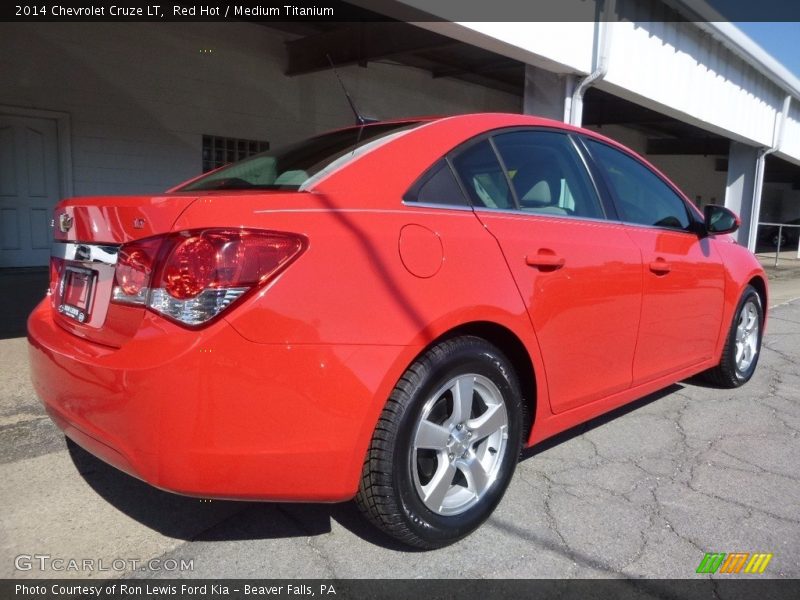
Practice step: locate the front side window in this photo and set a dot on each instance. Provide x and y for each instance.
(547, 174)
(291, 166)
(641, 196)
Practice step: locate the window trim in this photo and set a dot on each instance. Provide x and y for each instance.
(601, 187)
(597, 186)
(692, 229)
(413, 204)
(524, 213)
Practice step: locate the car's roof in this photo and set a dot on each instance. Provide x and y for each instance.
(492, 120)
(420, 147)
(473, 118)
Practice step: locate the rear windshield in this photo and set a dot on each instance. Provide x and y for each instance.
(289, 167)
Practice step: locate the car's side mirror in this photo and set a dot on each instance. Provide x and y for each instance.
(720, 219)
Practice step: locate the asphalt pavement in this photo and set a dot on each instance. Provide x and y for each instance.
(642, 492)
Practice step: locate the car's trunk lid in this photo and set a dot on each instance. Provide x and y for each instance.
(117, 219)
(88, 233)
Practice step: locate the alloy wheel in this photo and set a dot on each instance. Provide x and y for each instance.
(747, 332)
(459, 444)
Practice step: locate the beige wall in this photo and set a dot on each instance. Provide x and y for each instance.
(141, 95)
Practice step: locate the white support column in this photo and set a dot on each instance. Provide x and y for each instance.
(743, 189)
(755, 210)
(547, 94)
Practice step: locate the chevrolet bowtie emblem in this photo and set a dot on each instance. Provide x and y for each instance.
(65, 222)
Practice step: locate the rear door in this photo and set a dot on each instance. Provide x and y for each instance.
(683, 275)
(578, 273)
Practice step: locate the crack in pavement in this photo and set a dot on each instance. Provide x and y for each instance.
(672, 476)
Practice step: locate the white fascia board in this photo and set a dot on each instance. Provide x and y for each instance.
(541, 44)
(733, 38)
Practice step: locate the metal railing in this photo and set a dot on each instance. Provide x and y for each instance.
(779, 238)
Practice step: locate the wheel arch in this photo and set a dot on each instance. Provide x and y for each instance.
(760, 286)
(499, 332)
(516, 352)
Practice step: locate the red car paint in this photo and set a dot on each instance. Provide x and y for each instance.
(278, 397)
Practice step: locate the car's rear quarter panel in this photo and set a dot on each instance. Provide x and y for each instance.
(352, 298)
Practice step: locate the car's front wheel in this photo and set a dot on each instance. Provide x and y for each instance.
(446, 445)
(743, 344)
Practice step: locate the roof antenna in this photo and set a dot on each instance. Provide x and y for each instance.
(360, 120)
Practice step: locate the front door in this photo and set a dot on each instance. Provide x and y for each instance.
(684, 280)
(684, 285)
(29, 189)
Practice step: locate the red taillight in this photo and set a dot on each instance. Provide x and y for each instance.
(193, 276)
(135, 263)
(56, 265)
(133, 271)
(189, 268)
(250, 257)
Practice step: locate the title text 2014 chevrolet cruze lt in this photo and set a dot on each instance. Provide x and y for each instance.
(388, 312)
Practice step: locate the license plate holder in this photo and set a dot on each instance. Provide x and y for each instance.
(77, 293)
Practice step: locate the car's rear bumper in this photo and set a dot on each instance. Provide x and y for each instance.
(211, 414)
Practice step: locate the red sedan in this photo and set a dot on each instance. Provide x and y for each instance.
(387, 312)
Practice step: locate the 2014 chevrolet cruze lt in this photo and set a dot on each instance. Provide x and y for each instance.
(387, 312)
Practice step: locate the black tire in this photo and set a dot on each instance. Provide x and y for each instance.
(783, 239)
(398, 467)
(729, 373)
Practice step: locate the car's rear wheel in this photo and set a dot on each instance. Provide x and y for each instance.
(743, 344)
(446, 445)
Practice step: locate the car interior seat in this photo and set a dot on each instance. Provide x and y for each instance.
(538, 183)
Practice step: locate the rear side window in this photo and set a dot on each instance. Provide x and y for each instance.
(437, 186)
(484, 180)
(291, 166)
(547, 174)
(641, 196)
